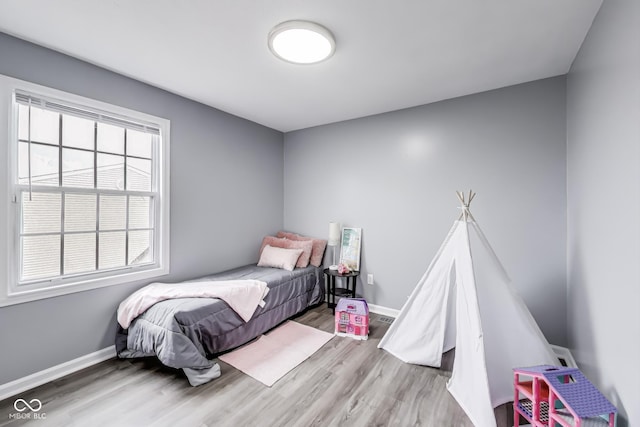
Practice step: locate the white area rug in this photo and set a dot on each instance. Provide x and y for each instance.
(273, 355)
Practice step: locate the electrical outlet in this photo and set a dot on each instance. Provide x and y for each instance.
(369, 279)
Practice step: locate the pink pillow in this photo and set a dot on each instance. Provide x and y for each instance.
(306, 247)
(317, 251)
(279, 257)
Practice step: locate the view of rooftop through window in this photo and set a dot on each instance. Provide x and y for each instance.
(87, 194)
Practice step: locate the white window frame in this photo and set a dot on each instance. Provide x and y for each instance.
(10, 292)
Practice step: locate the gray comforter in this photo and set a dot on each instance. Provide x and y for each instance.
(187, 332)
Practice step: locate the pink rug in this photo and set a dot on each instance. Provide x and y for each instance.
(273, 355)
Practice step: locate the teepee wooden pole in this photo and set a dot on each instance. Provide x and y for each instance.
(468, 213)
(466, 201)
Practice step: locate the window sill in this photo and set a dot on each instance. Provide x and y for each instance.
(21, 297)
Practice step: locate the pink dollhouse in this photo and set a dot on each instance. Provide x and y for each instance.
(352, 318)
(559, 396)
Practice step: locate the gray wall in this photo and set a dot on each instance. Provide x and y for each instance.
(395, 175)
(226, 193)
(603, 127)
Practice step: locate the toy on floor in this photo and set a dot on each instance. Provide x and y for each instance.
(559, 396)
(352, 318)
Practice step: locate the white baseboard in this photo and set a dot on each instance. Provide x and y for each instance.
(385, 311)
(379, 309)
(34, 380)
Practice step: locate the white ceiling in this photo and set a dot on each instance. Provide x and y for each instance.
(390, 54)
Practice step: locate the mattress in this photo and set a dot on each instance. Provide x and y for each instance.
(188, 332)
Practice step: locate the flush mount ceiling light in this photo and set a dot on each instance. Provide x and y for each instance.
(301, 42)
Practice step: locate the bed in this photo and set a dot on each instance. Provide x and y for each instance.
(186, 333)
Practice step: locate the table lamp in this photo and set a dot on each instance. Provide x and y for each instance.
(334, 240)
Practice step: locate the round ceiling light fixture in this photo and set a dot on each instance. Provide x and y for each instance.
(301, 42)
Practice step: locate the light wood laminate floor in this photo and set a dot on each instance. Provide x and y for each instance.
(346, 383)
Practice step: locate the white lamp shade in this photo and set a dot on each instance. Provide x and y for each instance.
(334, 234)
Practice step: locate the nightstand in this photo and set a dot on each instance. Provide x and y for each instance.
(333, 291)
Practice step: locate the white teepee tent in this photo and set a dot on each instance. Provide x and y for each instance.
(465, 300)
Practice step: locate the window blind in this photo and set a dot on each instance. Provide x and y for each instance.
(50, 104)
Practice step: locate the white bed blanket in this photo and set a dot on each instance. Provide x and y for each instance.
(243, 296)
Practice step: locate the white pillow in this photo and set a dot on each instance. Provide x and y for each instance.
(279, 257)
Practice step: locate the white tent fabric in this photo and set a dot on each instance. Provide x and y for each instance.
(465, 300)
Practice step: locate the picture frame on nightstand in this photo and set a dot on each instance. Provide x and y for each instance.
(350, 246)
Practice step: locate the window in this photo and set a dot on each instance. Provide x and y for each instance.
(90, 193)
